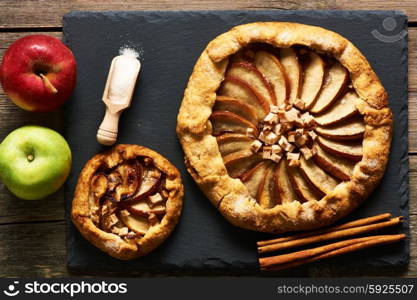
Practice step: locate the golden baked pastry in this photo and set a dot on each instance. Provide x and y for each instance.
(127, 201)
(284, 126)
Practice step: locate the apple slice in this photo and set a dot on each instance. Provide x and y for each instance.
(224, 122)
(131, 173)
(334, 83)
(149, 183)
(250, 74)
(289, 61)
(137, 224)
(237, 107)
(304, 190)
(354, 129)
(283, 184)
(238, 89)
(254, 178)
(99, 185)
(237, 163)
(317, 176)
(269, 65)
(142, 209)
(267, 196)
(333, 165)
(233, 142)
(351, 151)
(342, 109)
(312, 79)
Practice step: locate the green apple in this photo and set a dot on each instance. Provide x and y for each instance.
(34, 162)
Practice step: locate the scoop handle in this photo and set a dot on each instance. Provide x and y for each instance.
(107, 132)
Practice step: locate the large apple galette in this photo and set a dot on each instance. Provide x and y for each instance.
(127, 201)
(284, 126)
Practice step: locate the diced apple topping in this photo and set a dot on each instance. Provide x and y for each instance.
(250, 132)
(293, 159)
(155, 199)
(256, 146)
(271, 118)
(307, 153)
(284, 129)
(274, 109)
(312, 134)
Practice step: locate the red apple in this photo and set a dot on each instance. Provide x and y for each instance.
(38, 73)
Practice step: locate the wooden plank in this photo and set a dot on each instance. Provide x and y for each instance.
(7, 38)
(412, 59)
(33, 250)
(412, 122)
(15, 210)
(48, 13)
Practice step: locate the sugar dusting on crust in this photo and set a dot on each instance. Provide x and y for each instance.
(373, 163)
(111, 245)
(240, 205)
(307, 212)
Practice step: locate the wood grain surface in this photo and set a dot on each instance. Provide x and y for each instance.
(32, 233)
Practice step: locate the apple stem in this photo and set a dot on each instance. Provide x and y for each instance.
(30, 157)
(48, 84)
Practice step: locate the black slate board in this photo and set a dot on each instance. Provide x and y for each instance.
(171, 43)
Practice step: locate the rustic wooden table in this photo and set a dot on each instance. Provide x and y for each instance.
(32, 233)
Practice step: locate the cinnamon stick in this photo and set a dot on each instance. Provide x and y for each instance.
(329, 236)
(285, 261)
(356, 223)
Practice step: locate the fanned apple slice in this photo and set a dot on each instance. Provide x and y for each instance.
(253, 179)
(335, 81)
(342, 109)
(249, 73)
(131, 174)
(317, 176)
(336, 166)
(312, 79)
(283, 184)
(267, 195)
(99, 186)
(142, 209)
(151, 179)
(237, 107)
(269, 65)
(304, 190)
(289, 61)
(237, 163)
(238, 89)
(224, 121)
(351, 151)
(354, 129)
(233, 142)
(137, 224)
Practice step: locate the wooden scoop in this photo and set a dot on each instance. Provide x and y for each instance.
(117, 96)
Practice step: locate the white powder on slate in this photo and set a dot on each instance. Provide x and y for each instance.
(136, 52)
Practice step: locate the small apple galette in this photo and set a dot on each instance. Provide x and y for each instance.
(127, 201)
(284, 126)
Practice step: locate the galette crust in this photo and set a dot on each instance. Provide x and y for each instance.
(204, 161)
(112, 243)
